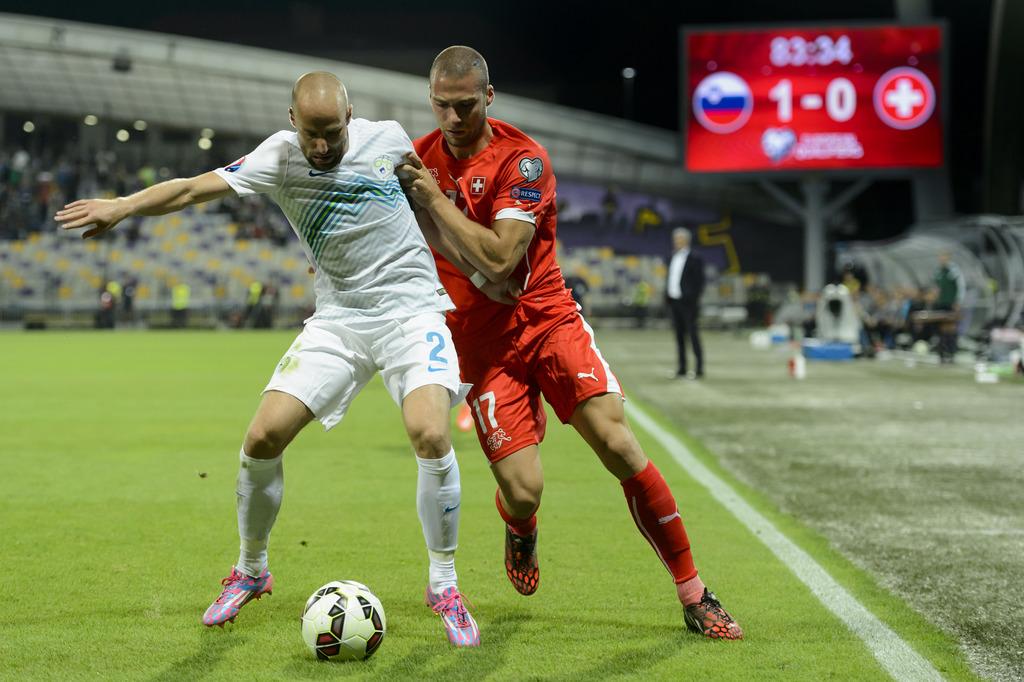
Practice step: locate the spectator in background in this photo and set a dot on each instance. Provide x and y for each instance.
(146, 176)
(254, 304)
(647, 217)
(132, 231)
(879, 320)
(106, 311)
(916, 301)
(610, 207)
(892, 317)
(949, 295)
(683, 290)
(181, 295)
(128, 299)
(809, 305)
(854, 277)
(868, 305)
(115, 289)
(578, 287)
(640, 301)
(792, 314)
(759, 300)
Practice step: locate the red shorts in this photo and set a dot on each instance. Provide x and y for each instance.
(510, 374)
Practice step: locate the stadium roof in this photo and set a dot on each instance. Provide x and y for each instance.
(64, 67)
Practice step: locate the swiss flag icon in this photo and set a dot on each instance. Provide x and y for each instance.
(904, 98)
(477, 184)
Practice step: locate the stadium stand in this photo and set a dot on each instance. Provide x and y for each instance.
(59, 80)
(55, 275)
(615, 239)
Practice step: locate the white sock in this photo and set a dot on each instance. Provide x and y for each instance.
(438, 496)
(260, 489)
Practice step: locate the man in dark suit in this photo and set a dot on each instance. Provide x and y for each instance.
(683, 291)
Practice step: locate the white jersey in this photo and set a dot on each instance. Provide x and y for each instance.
(354, 222)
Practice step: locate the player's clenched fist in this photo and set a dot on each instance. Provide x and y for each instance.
(417, 181)
(103, 213)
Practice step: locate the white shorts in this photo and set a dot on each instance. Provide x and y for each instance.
(330, 362)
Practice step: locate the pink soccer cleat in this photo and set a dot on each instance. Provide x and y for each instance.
(460, 626)
(239, 590)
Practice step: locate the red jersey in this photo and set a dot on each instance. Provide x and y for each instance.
(510, 178)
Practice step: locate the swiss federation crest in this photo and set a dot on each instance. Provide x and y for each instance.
(497, 439)
(531, 169)
(383, 167)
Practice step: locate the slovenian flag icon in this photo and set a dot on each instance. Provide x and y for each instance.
(722, 102)
(231, 168)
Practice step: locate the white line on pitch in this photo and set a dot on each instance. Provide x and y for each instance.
(894, 654)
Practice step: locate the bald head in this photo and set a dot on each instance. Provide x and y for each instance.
(319, 89)
(459, 61)
(320, 113)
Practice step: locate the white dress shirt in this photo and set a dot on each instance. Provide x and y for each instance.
(675, 273)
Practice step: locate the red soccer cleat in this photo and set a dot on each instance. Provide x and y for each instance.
(708, 618)
(521, 565)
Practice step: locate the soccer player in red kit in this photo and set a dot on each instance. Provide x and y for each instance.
(485, 197)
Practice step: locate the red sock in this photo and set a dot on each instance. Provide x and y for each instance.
(521, 527)
(655, 513)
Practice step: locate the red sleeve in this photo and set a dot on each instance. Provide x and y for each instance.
(421, 144)
(525, 186)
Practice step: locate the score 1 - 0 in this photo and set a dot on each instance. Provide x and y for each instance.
(840, 100)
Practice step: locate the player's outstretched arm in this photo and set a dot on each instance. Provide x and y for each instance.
(494, 252)
(165, 197)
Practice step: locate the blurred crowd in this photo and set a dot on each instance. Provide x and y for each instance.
(889, 318)
(892, 318)
(34, 187)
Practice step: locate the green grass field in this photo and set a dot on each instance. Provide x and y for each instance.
(119, 454)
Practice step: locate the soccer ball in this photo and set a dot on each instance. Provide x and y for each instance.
(343, 621)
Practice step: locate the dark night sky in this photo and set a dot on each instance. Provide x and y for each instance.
(566, 52)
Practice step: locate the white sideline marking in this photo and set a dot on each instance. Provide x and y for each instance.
(895, 655)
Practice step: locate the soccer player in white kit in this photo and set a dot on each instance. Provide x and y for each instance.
(379, 308)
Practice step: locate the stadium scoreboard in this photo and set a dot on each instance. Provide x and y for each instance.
(764, 100)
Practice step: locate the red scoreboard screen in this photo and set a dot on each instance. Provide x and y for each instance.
(827, 98)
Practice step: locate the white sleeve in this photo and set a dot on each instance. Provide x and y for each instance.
(402, 140)
(260, 171)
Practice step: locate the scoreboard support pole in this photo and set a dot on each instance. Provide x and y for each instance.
(815, 211)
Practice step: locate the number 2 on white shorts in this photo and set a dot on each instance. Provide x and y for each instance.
(438, 363)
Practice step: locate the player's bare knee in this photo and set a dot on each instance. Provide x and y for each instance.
(524, 491)
(524, 497)
(430, 441)
(264, 443)
(621, 451)
(622, 445)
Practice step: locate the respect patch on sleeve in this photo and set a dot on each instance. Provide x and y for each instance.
(525, 193)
